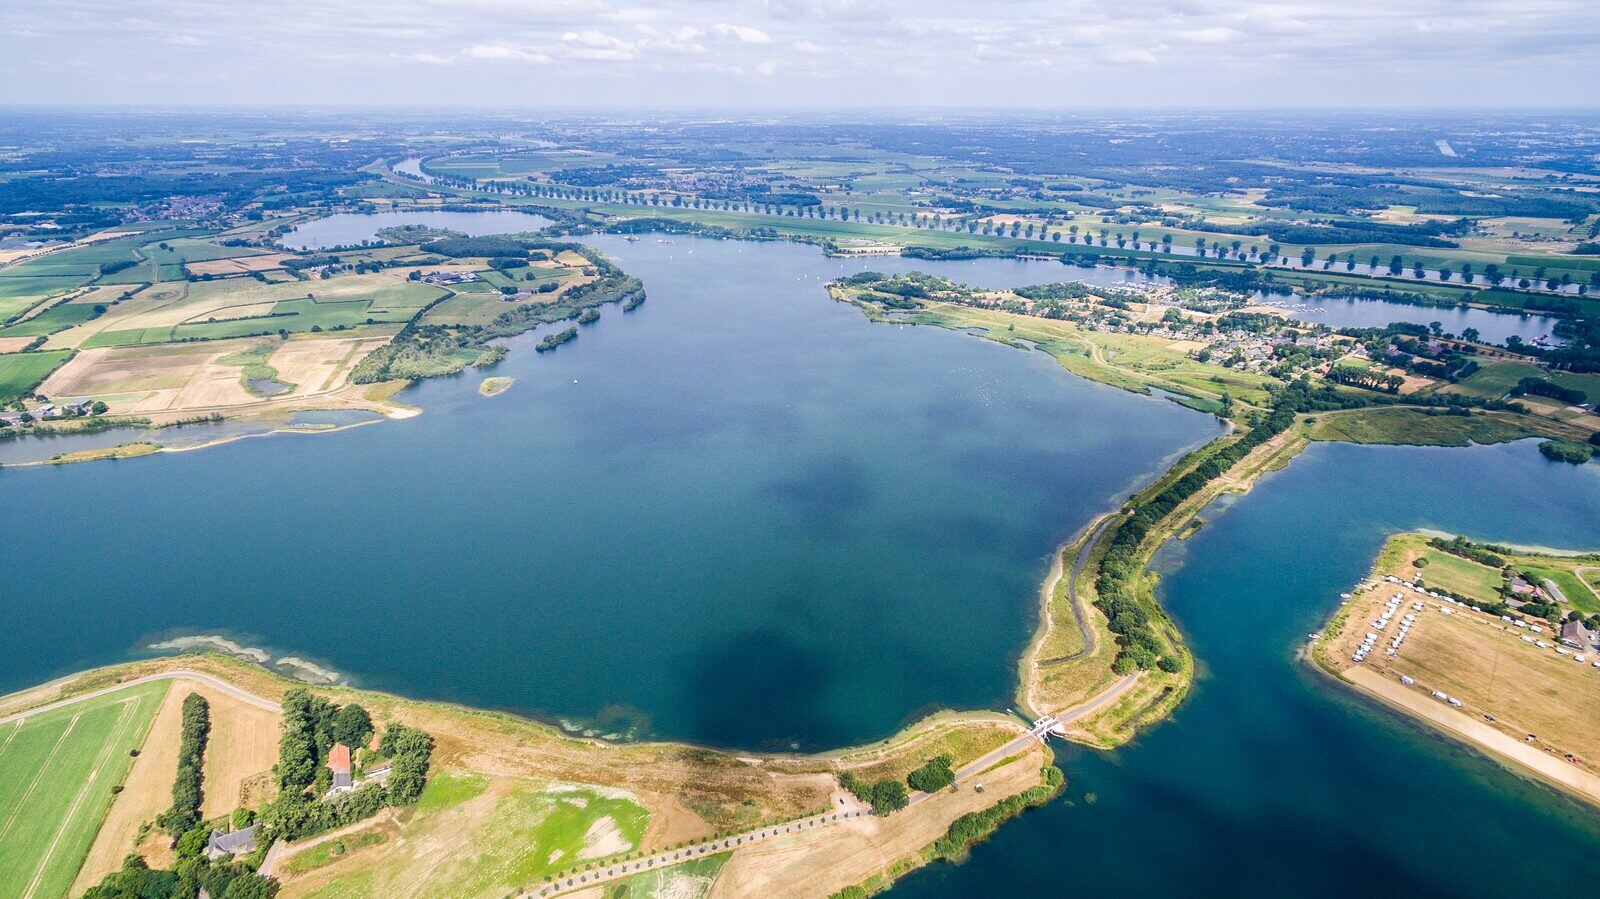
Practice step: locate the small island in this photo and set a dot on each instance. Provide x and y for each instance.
(495, 386)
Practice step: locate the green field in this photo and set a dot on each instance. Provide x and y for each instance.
(57, 771)
(533, 830)
(687, 880)
(1413, 428)
(56, 318)
(21, 372)
(1461, 576)
(1493, 379)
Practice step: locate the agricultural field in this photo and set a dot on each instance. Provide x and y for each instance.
(21, 372)
(240, 752)
(58, 773)
(213, 374)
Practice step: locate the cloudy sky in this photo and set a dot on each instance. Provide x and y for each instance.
(804, 53)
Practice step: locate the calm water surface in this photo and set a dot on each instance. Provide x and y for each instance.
(1271, 782)
(741, 514)
(346, 228)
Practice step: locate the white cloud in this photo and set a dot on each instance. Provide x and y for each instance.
(185, 40)
(743, 32)
(503, 53)
(808, 47)
(767, 67)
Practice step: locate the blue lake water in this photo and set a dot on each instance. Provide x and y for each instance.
(741, 514)
(1271, 781)
(347, 228)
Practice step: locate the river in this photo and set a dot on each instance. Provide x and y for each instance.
(351, 228)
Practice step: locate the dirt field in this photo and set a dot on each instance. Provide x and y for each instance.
(188, 377)
(239, 265)
(316, 363)
(243, 742)
(819, 863)
(1502, 676)
(145, 794)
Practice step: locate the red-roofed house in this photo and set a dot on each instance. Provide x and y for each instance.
(339, 764)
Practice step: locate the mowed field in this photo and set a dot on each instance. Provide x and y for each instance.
(57, 771)
(19, 372)
(242, 745)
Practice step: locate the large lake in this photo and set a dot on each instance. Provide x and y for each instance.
(741, 514)
(744, 515)
(349, 228)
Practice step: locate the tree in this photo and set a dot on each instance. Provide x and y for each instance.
(352, 726)
(933, 776)
(250, 886)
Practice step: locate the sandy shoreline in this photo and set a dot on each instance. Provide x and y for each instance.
(1467, 729)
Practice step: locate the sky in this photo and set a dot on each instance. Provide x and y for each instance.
(1472, 54)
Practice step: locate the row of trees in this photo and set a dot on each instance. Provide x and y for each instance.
(184, 814)
(1120, 577)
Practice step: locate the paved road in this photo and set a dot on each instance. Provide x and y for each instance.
(183, 674)
(1072, 592)
(1036, 733)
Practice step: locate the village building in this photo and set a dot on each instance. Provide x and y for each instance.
(227, 845)
(1575, 635)
(339, 764)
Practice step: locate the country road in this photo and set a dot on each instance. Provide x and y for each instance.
(589, 879)
(1072, 591)
(182, 674)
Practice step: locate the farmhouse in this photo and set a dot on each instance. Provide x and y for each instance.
(339, 764)
(226, 845)
(1575, 635)
(442, 278)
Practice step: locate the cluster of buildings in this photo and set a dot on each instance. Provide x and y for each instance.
(444, 279)
(47, 412)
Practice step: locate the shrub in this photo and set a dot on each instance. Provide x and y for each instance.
(933, 776)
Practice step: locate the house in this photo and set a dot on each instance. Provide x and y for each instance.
(339, 764)
(80, 407)
(227, 845)
(1521, 587)
(1575, 635)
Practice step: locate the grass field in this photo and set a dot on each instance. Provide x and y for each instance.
(690, 880)
(21, 372)
(1462, 576)
(521, 831)
(57, 771)
(1410, 427)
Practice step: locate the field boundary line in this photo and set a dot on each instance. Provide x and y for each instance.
(128, 707)
(34, 784)
(9, 738)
